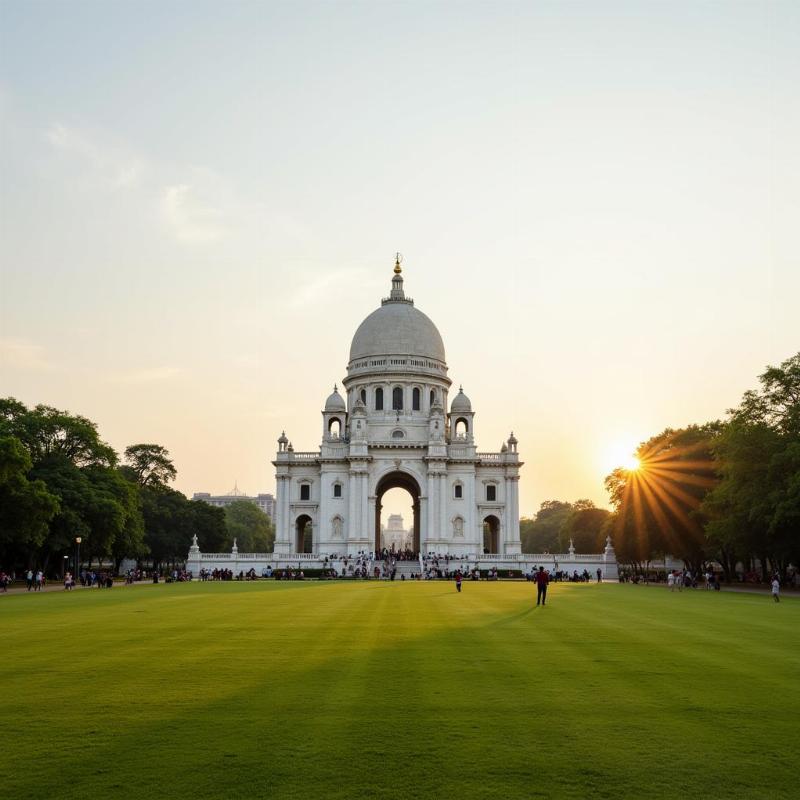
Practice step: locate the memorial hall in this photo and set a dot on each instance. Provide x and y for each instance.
(394, 425)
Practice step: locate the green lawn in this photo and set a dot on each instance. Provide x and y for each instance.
(398, 690)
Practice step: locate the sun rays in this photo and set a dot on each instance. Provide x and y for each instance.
(658, 490)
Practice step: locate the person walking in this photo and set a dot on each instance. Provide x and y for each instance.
(29, 579)
(458, 580)
(599, 575)
(776, 589)
(542, 579)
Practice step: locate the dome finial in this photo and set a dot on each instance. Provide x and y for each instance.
(398, 260)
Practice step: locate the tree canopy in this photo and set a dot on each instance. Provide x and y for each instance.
(59, 480)
(721, 491)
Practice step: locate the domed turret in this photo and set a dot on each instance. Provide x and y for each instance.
(335, 401)
(461, 403)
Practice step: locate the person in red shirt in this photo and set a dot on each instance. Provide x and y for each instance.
(458, 580)
(542, 579)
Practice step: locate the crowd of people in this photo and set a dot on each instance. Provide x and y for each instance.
(383, 565)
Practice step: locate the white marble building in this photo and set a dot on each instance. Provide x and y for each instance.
(391, 428)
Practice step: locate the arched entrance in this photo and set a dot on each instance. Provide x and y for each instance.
(303, 535)
(491, 534)
(397, 480)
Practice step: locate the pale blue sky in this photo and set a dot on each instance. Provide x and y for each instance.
(199, 202)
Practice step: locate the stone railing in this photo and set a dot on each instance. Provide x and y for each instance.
(490, 456)
(304, 456)
(510, 557)
(545, 558)
(460, 451)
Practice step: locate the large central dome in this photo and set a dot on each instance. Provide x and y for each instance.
(397, 329)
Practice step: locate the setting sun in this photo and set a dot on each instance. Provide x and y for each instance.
(620, 454)
(631, 463)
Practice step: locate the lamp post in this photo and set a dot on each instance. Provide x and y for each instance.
(77, 555)
(64, 567)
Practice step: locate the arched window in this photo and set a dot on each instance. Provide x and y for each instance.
(415, 399)
(397, 398)
(334, 428)
(462, 428)
(364, 396)
(379, 399)
(433, 397)
(398, 435)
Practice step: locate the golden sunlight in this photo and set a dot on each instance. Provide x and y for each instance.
(620, 454)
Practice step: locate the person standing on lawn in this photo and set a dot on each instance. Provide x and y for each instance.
(458, 580)
(542, 579)
(776, 589)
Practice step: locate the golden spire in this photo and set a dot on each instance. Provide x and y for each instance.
(398, 259)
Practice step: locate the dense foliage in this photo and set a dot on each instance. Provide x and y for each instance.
(59, 481)
(557, 523)
(727, 492)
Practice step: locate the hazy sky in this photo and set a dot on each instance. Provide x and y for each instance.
(199, 202)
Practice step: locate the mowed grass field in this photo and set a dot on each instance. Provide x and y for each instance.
(398, 690)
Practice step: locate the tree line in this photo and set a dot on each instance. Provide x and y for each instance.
(726, 491)
(59, 481)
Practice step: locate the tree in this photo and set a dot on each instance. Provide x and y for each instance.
(540, 535)
(754, 512)
(26, 507)
(151, 464)
(46, 432)
(170, 521)
(250, 526)
(95, 503)
(584, 526)
(658, 507)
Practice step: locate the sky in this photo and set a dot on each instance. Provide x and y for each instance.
(199, 202)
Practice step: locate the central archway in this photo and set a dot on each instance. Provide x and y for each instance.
(397, 480)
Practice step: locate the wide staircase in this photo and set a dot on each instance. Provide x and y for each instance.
(407, 568)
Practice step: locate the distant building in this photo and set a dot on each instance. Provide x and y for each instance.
(266, 502)
(395, 534)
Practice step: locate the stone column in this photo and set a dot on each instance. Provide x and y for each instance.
(364, 512)
(371, 517)
(282, 522)
(443, 506)
(423, 520)
(432, 505)
(352, 493)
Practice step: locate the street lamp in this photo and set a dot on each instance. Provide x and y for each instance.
(64, 570)
(78, 555)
